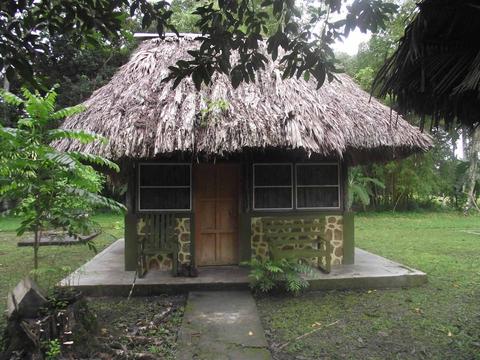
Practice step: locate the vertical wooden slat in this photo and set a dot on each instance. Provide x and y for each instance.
(146, 230)
(159, 236)
(152, 230)
(166, 230)
(161, 239)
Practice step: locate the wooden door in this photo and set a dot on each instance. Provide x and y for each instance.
(216, 190)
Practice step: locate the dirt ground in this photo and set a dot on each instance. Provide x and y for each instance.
(139, 328)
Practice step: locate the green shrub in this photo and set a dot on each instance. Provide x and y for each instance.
(268, 275)
(52, 349)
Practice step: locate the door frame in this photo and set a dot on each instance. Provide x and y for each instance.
(195, 229)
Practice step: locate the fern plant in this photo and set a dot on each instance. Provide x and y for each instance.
(53, 189)
(284, 274)
(360, 187)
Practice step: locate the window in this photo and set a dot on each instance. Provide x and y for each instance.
(272, 186)
(164, 187)
(317, 186)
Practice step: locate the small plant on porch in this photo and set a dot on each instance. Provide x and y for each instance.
(282, 274)
(53, 189)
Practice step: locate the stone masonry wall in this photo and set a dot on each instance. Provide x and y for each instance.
(333, 233)
(182, 231)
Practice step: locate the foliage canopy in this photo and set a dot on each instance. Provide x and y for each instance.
(302, 40)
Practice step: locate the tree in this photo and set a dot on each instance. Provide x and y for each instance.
(302, 40)
(80, 70)
(372, 55)
(472, 179)
(54, 189)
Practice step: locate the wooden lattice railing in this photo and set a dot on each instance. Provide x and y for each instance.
(157, 235)
(298, 238)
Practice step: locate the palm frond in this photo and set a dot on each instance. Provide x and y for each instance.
(374, 181)
(361, 193)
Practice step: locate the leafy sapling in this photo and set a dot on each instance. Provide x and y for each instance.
(52, 188)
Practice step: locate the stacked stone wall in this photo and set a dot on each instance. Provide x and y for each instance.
(333, 232)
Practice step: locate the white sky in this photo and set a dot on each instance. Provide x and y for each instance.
(351, 43)
(354, 39)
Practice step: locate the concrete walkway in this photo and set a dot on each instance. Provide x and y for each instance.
(221, 325)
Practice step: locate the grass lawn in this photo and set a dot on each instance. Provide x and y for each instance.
(55, 262)
(440, 320)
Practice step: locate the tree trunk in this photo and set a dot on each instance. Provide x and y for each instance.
(36, 246)
(465, 136)
(453, 139)
(471, 179)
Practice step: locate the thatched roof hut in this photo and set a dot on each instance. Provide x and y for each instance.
(283, 148)
(144, 117)
(435, 70)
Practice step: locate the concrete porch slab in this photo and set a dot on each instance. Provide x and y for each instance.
(370, 271)
(104, 275)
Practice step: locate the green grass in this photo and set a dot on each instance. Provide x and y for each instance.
(384, 324)
(440, 320)
(55, 262)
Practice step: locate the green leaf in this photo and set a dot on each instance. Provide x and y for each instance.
(96, 200)
(62, 159)
(236, 77)
(95, 159)
(84, 137)
(10, 98)
(68, 111)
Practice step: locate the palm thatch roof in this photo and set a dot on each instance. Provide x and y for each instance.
(144, 117)
(435, 70)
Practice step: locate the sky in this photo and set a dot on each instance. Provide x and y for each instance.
(351, 43)
(354, 39)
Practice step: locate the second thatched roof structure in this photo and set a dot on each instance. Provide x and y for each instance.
(435, 71)
(144, 118)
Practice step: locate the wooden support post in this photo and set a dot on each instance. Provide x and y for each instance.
(131, 251)
(348, 238)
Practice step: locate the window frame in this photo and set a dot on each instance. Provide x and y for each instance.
(291, 186)
(338, 186)
(139, 187)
